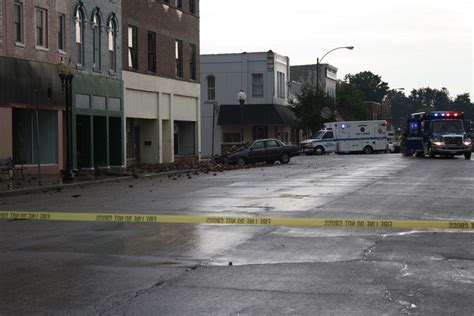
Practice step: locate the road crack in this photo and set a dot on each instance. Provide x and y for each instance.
(115, 301)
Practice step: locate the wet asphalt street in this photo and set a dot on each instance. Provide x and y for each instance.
(142, 269)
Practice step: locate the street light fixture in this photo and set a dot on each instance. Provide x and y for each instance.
(66, 73)
(320, 60)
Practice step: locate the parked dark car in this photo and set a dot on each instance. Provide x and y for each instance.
(264, 150)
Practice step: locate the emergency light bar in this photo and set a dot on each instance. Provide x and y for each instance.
(440, 114)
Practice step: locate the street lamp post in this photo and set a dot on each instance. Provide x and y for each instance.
(242, 98)
(66, 73)
(320, 60)
(215, 108)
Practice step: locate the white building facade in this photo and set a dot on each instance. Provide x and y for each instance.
(165, 115)
(263, 76)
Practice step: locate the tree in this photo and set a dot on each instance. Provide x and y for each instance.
(371, 85)
(434, 99)
(401, 107)
(308, 105)
(350, 102)
(463, 103)
(463, 99)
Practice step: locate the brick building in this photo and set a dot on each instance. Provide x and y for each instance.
(97, 86)
(160, 61)
(379, 110)
(33, 38)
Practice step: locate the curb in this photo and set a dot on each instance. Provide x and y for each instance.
(90, 183)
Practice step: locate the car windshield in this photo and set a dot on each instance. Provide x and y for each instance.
(318, 135)
(445, 126)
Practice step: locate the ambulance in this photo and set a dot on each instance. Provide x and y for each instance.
(348, 137)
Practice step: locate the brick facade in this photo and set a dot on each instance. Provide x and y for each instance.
(29, 50)
(2, 8)
(28, 78)
(170, 24)
(377, 110)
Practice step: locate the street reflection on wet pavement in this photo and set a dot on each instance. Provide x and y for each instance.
(110, 268)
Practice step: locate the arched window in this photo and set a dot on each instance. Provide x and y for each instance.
(211, 88)
(112, 42)
(96, 39)
(79, 25)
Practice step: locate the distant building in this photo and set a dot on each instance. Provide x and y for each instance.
(264, 77)
(379, 110)
(161, 78)
(309, 74)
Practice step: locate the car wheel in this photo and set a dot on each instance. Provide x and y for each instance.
(241, 161)
(285, 158)
(467, 156)
(368, 150)
(319, 151)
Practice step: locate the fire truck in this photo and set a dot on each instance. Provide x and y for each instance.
(439, 133)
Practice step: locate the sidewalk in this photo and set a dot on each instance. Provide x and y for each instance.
(49, 183)
(31, 183)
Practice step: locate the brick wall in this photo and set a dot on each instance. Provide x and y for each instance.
(169, 24)
(377, 110)
(29, 50)
(2, 5)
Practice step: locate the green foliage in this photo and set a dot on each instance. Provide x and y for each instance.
(463, 103)
(371, 85)
(366, 86)
(350, 102)
(426, 100)
(307, 108)
(463, 100)
(431, 98)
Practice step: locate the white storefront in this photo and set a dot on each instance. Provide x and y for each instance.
(162, 118)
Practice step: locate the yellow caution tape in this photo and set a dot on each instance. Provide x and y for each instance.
(232, 220)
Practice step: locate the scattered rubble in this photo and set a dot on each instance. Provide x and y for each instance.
(206, 167)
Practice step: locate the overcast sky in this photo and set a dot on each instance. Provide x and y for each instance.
(410, 43)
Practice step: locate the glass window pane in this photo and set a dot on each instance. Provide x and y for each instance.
(111, 38)
(130, 37)
(257, 85)
(79, 28)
